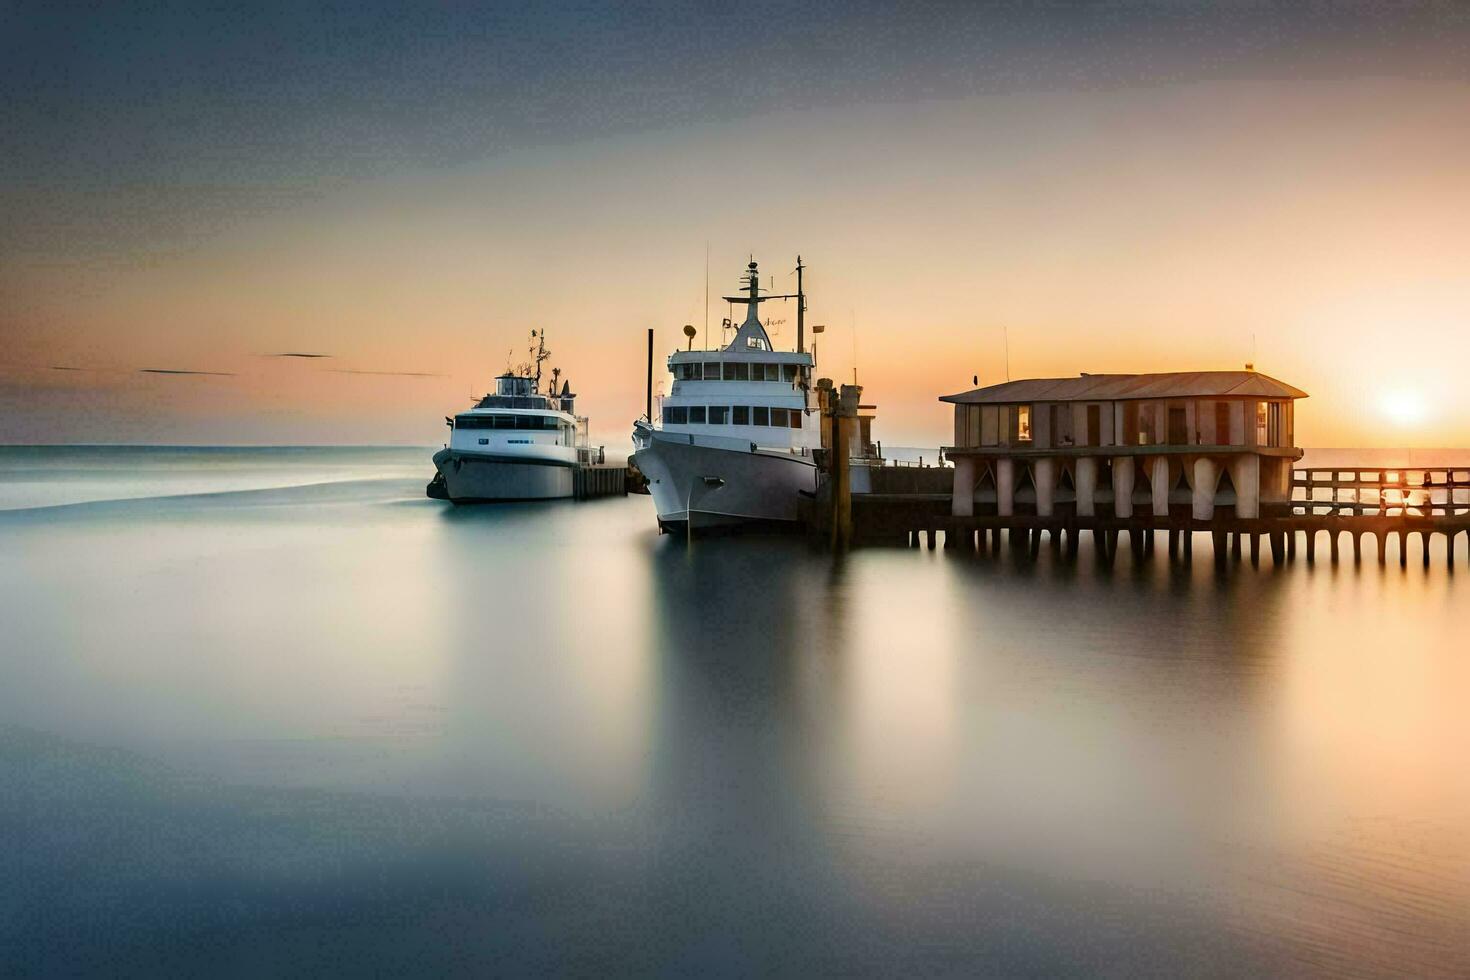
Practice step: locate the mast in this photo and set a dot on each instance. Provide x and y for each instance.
(800, 310)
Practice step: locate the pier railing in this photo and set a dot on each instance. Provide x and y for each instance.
(1354, 491)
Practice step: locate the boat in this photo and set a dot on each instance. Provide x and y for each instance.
(737, 437)
(518, 443)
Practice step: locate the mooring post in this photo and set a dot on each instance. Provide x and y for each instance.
(844, 421)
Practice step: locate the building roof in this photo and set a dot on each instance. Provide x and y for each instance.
(1123, 387)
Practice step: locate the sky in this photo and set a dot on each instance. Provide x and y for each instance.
(977, 190)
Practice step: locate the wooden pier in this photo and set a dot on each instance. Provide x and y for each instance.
(599, 481)
(1346, 504)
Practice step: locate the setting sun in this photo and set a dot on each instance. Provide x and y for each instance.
(1403, 407)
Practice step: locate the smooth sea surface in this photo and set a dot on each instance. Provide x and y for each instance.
(275, 712)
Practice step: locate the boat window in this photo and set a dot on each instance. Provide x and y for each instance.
(778, 417)
(796, 418)
(773, 372)
(760, 415)
(788, 372)
(696, 415)
(711, 370)
(741, 415)
(676, 415)
(719, 414)
(737, 371)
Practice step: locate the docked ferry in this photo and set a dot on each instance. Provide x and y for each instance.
(515, 444)
(736, 440)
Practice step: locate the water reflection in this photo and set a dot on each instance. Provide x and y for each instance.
(570, 743)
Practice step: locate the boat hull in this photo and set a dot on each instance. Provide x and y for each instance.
(485, 478)
(721, 488)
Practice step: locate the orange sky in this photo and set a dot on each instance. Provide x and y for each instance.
(1320, 224)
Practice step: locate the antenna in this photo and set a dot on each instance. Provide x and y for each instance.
(706, 294)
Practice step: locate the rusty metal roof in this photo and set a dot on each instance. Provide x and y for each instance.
(1123, 387)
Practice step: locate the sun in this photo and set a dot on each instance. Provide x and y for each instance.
(1403, 407)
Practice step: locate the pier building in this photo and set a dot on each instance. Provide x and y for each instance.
(1195, 444)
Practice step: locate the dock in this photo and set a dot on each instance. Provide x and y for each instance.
(1331, 511)
(600, 480)
(1136, 456)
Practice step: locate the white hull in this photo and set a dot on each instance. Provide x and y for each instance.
(720, 486)
(474, 477)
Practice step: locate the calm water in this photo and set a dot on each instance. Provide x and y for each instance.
(267, 711)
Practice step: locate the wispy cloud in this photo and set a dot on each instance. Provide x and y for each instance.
(292, 353)
(217, 374)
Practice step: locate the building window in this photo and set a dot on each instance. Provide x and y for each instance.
(1022, 432)
(989, 425)
(711, 371)
(696, 415)
(760, 415)
(1178, 426)
(788, 372)
(1094, 425)
(719, 414)
(738, 371)
(1268, 423)
(773, 372)
(676, 415)
(741, 415)
(796, 418)
(778, 417)
(1222, 424)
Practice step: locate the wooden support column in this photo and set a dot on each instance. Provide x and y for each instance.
(1044, 478)
(962, 503)
(1085, 475)
(1221, 540)
(1158, 477)
(1206, 475)
(1255, 548)
(1123, 486)
(1005, 486)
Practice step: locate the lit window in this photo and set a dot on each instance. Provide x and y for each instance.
(1023, 423)
(796, 418)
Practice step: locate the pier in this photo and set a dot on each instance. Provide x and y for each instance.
(599, 480)
(1138, 457)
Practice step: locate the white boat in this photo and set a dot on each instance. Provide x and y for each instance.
(515, 444)
(737, 436)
